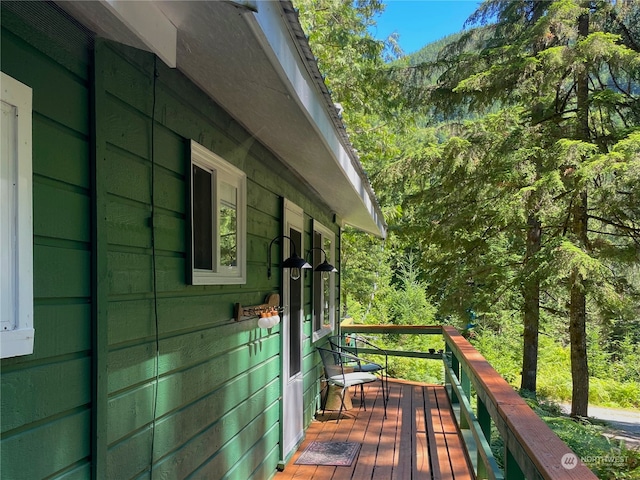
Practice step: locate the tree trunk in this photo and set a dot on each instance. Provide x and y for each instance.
(578, 319)
(531, 295)
(578, 307)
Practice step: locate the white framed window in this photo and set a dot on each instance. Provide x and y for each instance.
(16, 220)
(218, 219)
(324, 283)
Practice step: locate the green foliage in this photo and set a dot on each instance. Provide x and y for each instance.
(609, 460)
(503, 350)
(407, 302)
(504, 143)
(349, 57)
(401, 300)
(365, 272)
(614, 380)
(610, 392)
(404, 302)
(606, 459)
(414, 369)
(567, 99)
(417, 370)
(353, 63)
(554, 367)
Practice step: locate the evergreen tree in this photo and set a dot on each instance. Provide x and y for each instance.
(574, 68)
(372, 102)
(513, 212)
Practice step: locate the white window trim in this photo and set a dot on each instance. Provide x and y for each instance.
(204, 158)
(19, 339)
(326, 233)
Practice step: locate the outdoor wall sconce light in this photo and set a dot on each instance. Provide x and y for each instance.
(325, 267)
(294, 263)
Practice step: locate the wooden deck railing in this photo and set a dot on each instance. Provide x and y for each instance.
(532, 450)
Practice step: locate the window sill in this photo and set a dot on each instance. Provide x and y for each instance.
(320, 334)
(16, 342)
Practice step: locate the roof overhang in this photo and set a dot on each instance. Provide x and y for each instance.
(253, 59)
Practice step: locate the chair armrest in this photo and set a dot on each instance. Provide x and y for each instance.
(369, 344)
(349, 357)
(380, 351)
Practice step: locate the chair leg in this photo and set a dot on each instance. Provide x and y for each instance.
(385, 384)
(386, 374)
(385, 398)
(326, 397)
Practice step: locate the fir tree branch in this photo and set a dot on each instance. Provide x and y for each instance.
(624, 91)
(607, 233)
(567, 218)
(621, 226)
(565, 101)
(554, 116)
(561, 104)
(629, 40)
(559, 313)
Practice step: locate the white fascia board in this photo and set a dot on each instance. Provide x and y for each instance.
(280, 44)
(147, 22)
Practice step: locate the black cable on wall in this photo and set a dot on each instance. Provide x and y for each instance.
(154, 267)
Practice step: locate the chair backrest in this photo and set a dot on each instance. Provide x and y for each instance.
(346, 342)
(332, 361)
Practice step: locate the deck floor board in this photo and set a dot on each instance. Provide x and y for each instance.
(417, 440)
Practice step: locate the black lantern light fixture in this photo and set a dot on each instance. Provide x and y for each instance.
(294, 263)
(325, 267)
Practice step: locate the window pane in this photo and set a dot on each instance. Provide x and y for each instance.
(228, 225)
(8, 160)
(326, 287)
(202, 219)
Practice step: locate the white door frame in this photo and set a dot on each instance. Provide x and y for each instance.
(292, 382)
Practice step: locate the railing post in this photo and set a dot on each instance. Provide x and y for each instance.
(484, 420)
(455, 366)
(512, 470)
(465, 383)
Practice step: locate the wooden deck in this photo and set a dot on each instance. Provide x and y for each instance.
(417, 440)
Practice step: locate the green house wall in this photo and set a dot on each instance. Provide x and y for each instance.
(132, 366)
(46, 398)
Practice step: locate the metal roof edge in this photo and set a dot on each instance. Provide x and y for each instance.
(302, 43)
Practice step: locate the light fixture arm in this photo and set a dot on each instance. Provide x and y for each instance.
(325, 267)
(294, 262)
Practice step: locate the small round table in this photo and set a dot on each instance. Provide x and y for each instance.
(332, 401)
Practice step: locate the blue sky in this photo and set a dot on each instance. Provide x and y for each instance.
(422, 21)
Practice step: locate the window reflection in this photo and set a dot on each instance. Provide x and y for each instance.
(326, 286)
(228, 225)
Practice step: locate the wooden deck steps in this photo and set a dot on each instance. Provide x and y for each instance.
(417, 440)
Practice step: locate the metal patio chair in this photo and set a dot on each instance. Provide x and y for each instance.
(338, 371)
(350, 343)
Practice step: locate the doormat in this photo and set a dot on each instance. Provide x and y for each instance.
(339, 454)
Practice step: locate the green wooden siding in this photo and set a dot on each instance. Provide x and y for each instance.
(46, 397)
(218, 383)
(132, 367)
